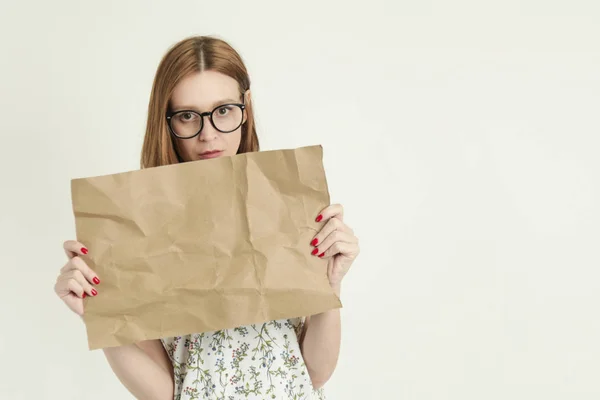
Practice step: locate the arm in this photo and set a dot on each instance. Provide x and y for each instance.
(320, 345)
(320, 339)
(143, 368)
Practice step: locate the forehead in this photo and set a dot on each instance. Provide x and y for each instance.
(203, 89)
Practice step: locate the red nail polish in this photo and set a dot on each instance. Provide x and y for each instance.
(314, 242)
(319, 218)
(315, 251)
(322, 254)
(96, 280)
(84, 294)
(94, 292)
(84, 250)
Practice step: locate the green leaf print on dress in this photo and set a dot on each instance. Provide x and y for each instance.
(261, 361)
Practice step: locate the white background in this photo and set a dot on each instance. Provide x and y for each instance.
(462, 137)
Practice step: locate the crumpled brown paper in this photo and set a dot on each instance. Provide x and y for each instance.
(203, 245)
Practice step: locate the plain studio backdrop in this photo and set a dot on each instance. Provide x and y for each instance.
(462, 138)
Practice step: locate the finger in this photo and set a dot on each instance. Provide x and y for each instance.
(68, 286)
(345, 249)
(332, 225)
(76, 263)
(74, 248)
(76, 279)
(333, 238)
(333, 210)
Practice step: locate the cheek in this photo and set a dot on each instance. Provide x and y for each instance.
(233, 142)
(184, 147)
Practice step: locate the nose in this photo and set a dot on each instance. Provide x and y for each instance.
(208, 131)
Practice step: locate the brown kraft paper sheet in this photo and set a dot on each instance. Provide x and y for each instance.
(203, 245)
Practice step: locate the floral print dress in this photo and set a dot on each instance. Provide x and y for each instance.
(261, 361)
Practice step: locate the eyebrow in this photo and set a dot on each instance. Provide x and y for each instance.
(213, 105)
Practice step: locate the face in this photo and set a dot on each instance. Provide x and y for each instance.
(203, 92)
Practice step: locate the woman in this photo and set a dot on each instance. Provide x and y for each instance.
(201, 108)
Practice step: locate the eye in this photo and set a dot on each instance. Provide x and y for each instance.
(186, 116)
(224, 110)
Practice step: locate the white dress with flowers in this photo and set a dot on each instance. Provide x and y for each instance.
(261, 361)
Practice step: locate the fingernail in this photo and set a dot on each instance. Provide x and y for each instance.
(84, 294)
(322, 254)
(84, 250)
(319, 218)
(94, 292)
(314, 242)
(315, 251)
(96, 280)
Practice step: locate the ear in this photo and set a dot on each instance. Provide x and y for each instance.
(247, 100)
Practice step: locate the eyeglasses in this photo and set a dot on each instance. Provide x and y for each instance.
(186, 124)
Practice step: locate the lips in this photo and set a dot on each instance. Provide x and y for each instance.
(211, 154)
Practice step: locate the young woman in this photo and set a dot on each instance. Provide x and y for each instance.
(201, 108)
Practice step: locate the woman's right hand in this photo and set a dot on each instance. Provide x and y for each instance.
(76, 279)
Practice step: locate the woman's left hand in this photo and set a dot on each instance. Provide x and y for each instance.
(337, 243)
